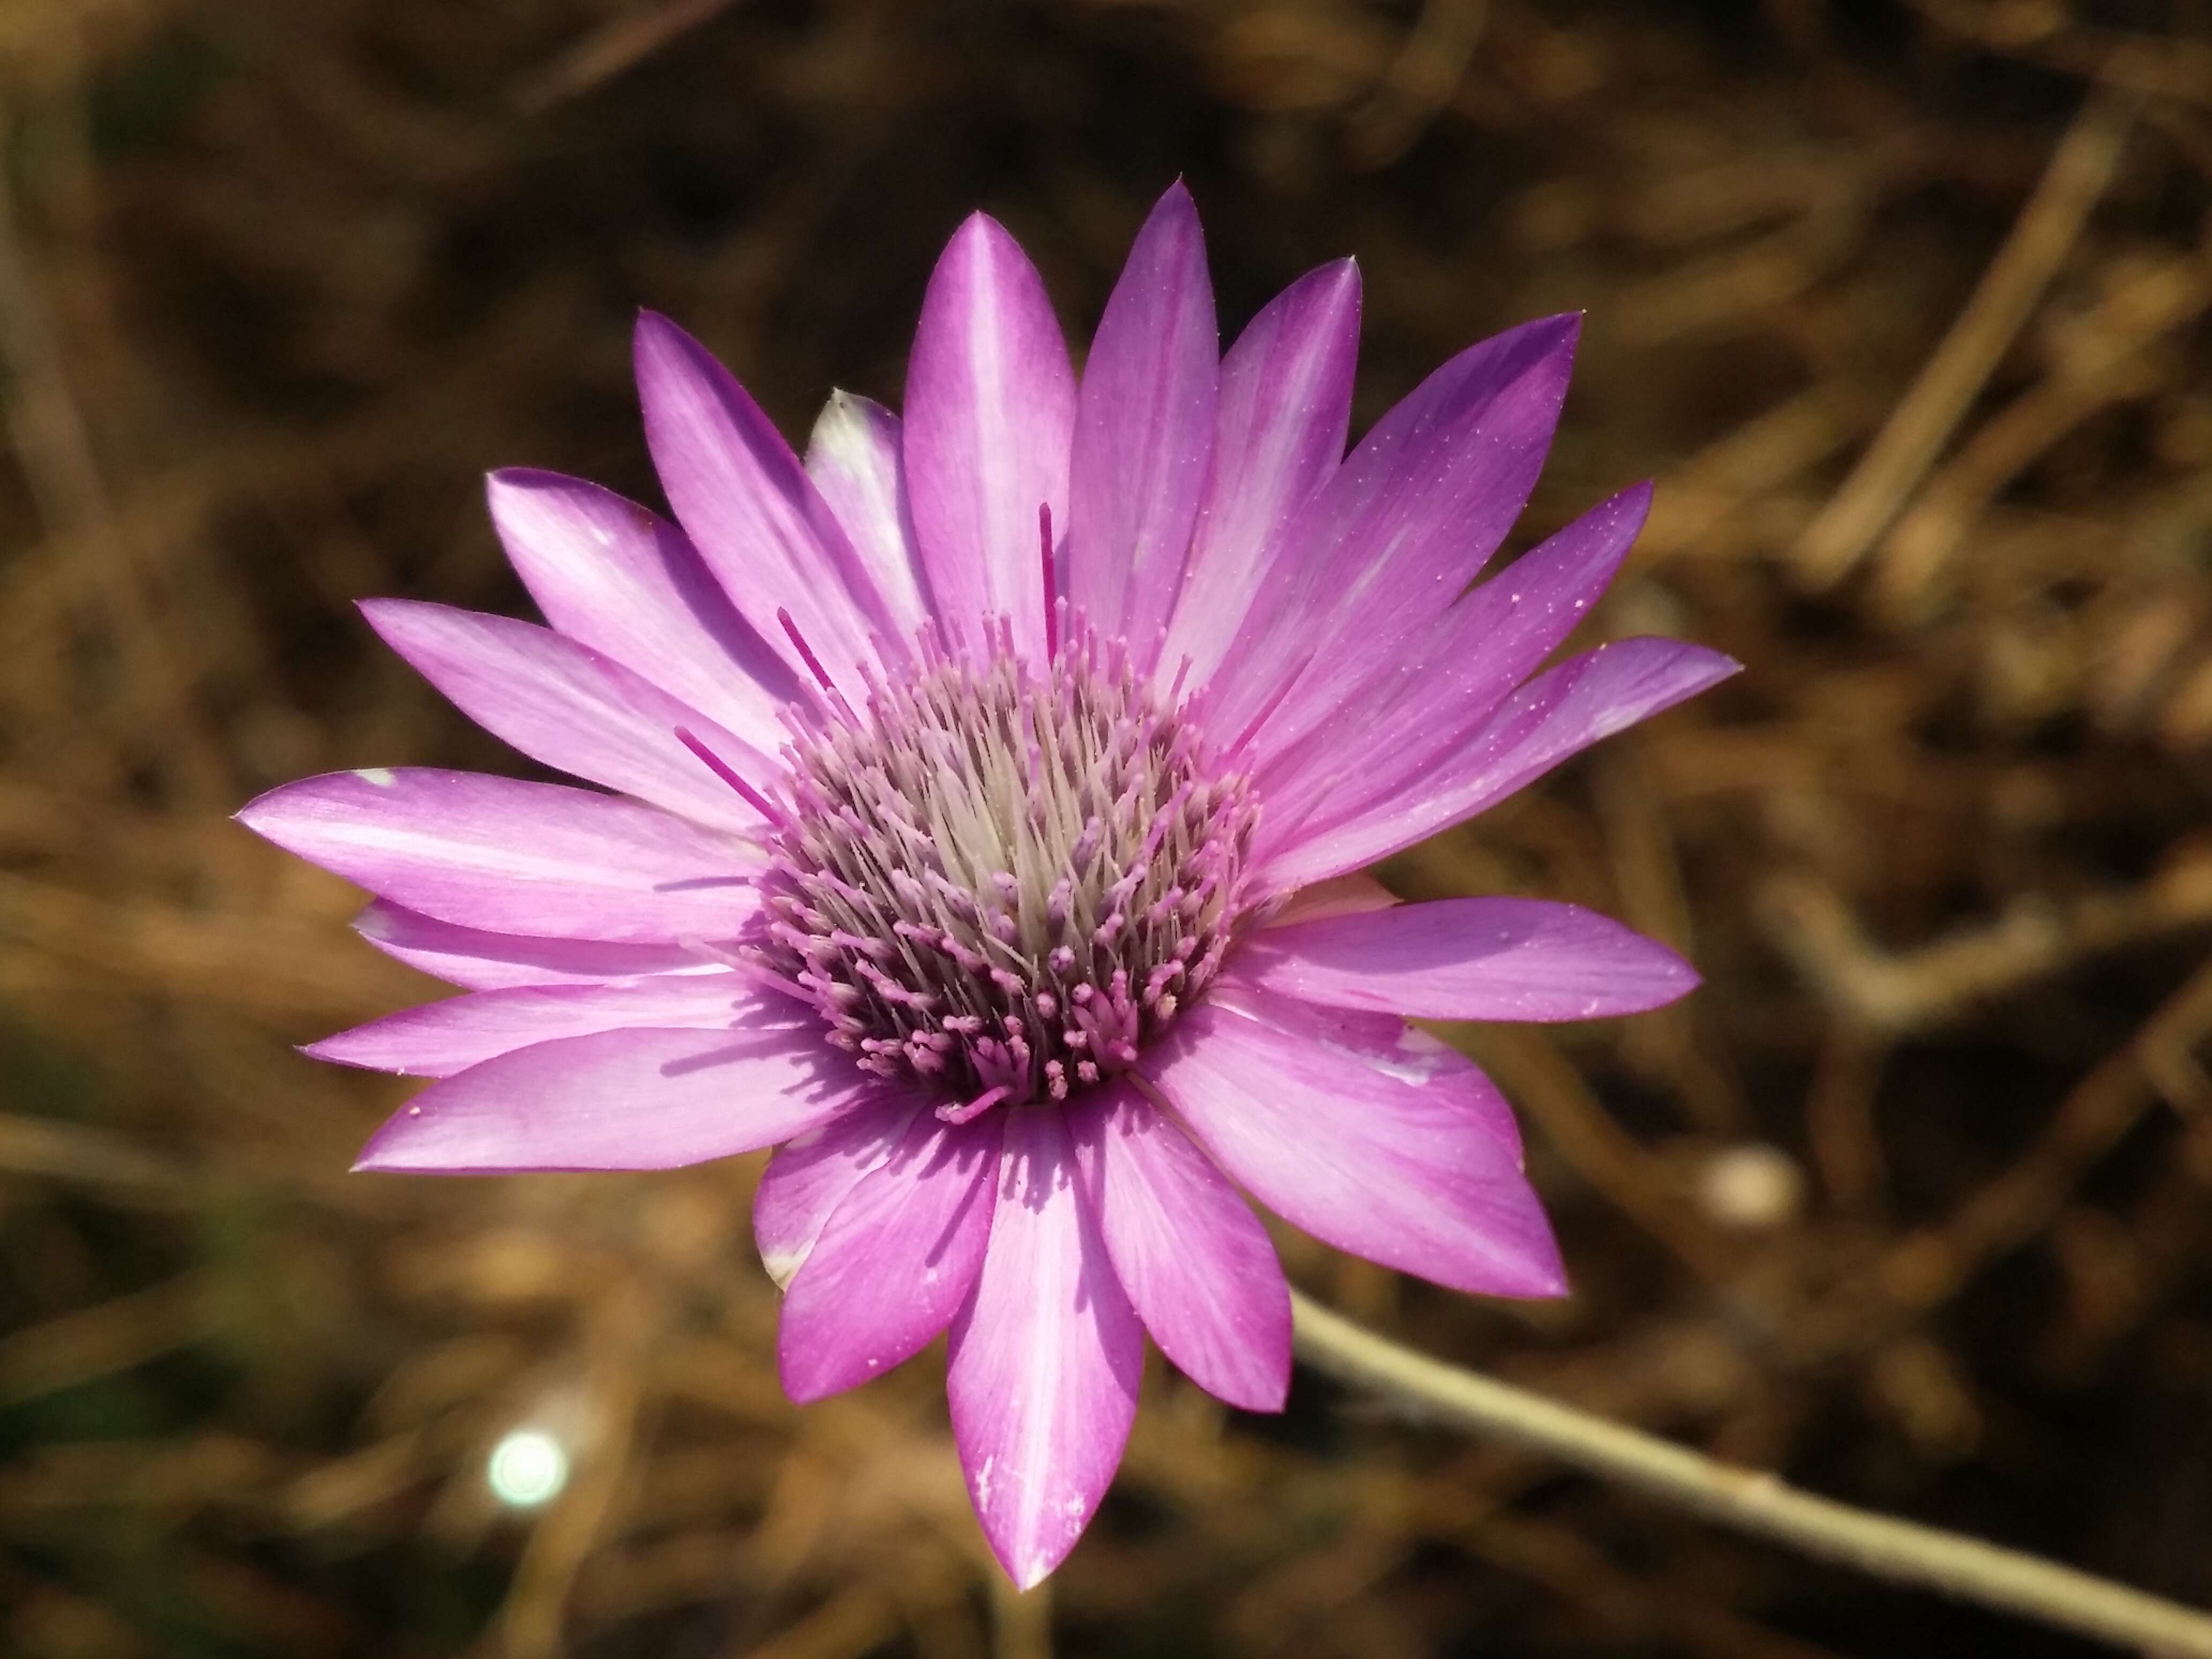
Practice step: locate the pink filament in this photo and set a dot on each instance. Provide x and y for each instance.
(805, 652)
(1051, 623)
(752, 797)
(974, 1109)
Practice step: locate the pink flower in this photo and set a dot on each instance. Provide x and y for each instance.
(988, 794)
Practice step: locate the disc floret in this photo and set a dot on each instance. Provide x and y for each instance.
(1003, 882)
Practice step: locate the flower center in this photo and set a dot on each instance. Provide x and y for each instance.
(1002, 883)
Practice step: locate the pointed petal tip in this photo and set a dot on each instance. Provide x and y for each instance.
(1539, 1274)
(1692, 980)
(1178, 194)
(1711, 666)
(378, 1158)
(1033, 1572)
(803, 1383)
(1029, 1561)
(783, 1265)
(661, 352)
(657, 333)
(1551, 1285)
(374, 1159)
(1267, 1402)
(335, 1050)
(394, 1150)
(397, 1148)
(384, 1152)
(256, 813)
(502, 482)
(1558, 334)
(384, 613)
(977, 225)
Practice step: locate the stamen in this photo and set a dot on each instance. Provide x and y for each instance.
(805, 651)
(752, 797)
(1051, 623)
(1182, 673)
(1275, 700)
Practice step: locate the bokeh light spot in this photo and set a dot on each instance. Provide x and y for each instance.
(527, 1468)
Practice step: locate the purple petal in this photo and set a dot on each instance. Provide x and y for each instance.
(990, 414)
(645, 1099)
(896, 1261)
(1556, 716)
(1470, 958)
(1398, 530)
(1469, 660)
(510, 857)
(1046, 1358)
(1285, 405)
(809, 1175)
(856, 460)
(1196, 1263)
(481, 961)
(442, 1039)
(1401, 1163)
(1144, 430)
(615, 577)
(567, 705)
(755, 516)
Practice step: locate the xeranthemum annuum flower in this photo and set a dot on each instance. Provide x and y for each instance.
(989, 790)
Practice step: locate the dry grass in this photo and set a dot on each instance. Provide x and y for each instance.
(1904, 305)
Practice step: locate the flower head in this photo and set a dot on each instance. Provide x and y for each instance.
(987, 794)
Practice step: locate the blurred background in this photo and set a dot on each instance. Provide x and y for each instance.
(1903, 303)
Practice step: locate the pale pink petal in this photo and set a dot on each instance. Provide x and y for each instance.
(442, 1039)
(810, 1173)
(990, 415)
(1047, 1356)
(1144, 431)
(1286, 405)
(1387, 1163)
(1196, 1263)
(1339, 896)
(506, 856)
(755, 516)
(1468, 661)
(896, 1261)
(481, 961)
(567, 705)
(622, 581)
(1393, 536)
(646, 1099)
(857, 459)
(1470, 958)
(1555, 716)
(1385, 1043)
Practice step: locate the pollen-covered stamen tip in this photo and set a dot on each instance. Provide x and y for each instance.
(1003, 882)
